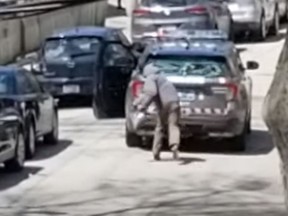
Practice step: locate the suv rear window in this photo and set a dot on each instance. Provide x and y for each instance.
(209, 67)
(168, 3)
(60, 48)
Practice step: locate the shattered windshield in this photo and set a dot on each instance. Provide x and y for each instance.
(209, 67)
(61, 48)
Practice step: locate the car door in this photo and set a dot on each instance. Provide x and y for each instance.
(118, 63)
(245, 85)
(45, 101)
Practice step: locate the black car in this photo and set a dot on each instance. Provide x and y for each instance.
(36, 107)
(70, 59)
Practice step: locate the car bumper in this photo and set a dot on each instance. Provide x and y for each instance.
(211, 126)
(61, 87)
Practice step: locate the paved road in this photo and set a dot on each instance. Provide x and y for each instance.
(92, 173)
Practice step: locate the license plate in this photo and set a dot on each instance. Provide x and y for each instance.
(186, 96)
(71, 89)
(167, 28)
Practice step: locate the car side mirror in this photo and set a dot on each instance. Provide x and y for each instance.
(252, 65)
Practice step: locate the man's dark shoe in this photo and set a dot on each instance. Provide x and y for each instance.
(157, 157)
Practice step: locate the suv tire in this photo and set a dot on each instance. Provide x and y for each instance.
(16, 164)
(132, 139)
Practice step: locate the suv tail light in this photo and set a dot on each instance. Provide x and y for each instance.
(197, 10)
(140, 12)
(233, 91)
(136, 88)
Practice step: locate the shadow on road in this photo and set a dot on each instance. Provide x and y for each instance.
(8, 180)
(48, 151)
(250, 39)
(74, 102)
(258, 143)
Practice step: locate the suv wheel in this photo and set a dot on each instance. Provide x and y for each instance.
(98, 112)
(52, 137)
(238, 143)
(276, 24)
(261, 32)
(132, 139)
(17, 162)
(30, 141)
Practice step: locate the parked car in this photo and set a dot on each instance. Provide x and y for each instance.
(256, 17)
(223, 15)
(155, 15)
(36, 108)
(71, 60)
(283, 9)
(214, 90)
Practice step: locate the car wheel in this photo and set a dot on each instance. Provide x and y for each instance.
(248, 125)
(238, 143)
(17, 162)
(30, 142)
(276, 24)
(132, 139)
(98, 112)
(261, 32)
(52, 137)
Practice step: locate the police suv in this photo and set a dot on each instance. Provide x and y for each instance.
(213, 87)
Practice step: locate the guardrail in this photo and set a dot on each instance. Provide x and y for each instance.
(24, 33)
(36, 7)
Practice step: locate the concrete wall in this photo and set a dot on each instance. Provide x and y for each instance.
(19, 36)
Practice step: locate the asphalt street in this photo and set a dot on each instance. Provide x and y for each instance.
(91, 172)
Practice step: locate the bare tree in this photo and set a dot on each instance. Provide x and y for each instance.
(275, 113)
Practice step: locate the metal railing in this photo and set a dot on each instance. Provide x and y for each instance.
(31, 7)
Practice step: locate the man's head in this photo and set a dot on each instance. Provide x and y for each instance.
(150, 69)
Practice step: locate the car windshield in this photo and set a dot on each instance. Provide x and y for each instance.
(61, 48)
(7, 84)
(209, 67)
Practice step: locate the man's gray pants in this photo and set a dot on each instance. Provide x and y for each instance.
(167, 123)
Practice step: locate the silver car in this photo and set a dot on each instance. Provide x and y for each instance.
(214, 90)
(255, 16)
(154, 15)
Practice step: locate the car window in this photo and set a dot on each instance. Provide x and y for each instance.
(7, 84)
(63, 48)
(209, 67)
(34, 82)
(23, 84)
(117, 55)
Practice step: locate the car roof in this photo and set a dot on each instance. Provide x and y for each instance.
(195, 47)
(89, 31)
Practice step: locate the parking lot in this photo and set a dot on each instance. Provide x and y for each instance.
(91, 172)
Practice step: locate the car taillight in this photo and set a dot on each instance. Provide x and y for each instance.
(136, 88)
(140, 12)
(233, 91)
(196, 10)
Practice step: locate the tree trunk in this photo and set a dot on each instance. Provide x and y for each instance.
(275, 113)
